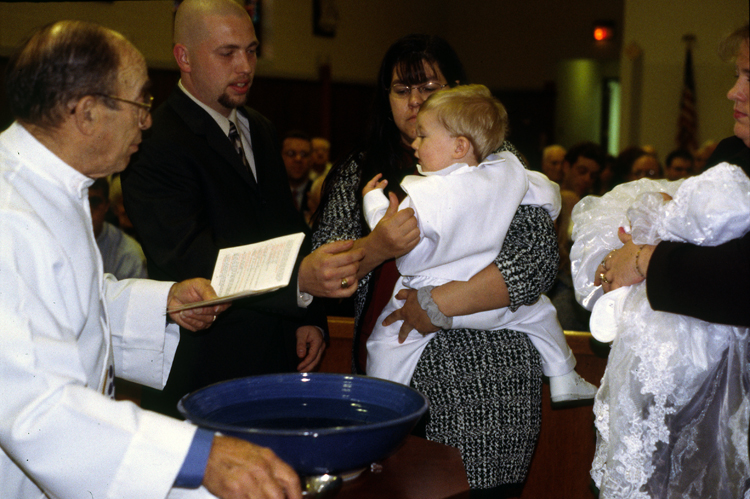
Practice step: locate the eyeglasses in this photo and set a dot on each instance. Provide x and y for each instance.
(639, 174)
(144, 108)
(290, 153)
(425, 89)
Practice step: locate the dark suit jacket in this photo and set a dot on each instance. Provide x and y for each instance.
(189, 195)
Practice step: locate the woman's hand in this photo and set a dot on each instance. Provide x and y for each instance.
(485, 291)
(624, 266)
(412, 314)
(397, 233)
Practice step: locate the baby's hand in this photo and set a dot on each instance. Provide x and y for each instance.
(374, 183)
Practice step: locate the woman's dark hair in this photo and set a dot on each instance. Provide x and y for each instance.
(383, 149)
(61, 63)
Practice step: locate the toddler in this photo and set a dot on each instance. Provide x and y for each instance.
(464, 203)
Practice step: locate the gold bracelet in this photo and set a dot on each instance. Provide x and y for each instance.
(637, 269)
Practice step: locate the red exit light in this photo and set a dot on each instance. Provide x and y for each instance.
(603, 32)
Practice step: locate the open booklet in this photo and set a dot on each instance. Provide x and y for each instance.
(252, 269)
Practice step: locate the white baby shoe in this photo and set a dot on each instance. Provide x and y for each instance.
(606, 314)
(570, 387)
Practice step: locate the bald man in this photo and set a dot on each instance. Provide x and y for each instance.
(209, 175)
(552, 162)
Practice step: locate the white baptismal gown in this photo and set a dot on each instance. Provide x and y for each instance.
(672, 411)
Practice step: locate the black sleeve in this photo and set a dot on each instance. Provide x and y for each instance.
(708, 283)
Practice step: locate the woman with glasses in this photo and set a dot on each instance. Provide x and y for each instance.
(484, 386)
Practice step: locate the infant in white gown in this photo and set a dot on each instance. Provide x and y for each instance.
(672, 411)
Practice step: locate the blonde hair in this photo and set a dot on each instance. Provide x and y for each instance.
(730, 45)
(471, 111)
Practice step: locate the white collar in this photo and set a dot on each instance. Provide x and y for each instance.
(492, 159)
(44, 162)
(219, 118)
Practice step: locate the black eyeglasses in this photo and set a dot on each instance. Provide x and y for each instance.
(290, 153)
(144, 108)
(425, 89)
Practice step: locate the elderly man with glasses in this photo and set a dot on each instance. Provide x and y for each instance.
(78, 92)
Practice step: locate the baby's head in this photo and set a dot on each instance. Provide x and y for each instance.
(468, 115)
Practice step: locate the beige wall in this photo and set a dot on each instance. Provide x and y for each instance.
(651, 83)
(504, 44)
(365, 31)
(147, 24)
(517, 44)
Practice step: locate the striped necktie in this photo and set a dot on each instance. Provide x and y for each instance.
(234, 136)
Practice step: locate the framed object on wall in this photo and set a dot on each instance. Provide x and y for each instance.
(325, 17)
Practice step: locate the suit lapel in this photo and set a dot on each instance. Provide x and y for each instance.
(203, 125)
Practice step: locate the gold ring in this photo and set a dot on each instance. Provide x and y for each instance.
(603, 278)
(344, 283)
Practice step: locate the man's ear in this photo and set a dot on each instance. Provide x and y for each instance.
(182, 56)
(86, 113)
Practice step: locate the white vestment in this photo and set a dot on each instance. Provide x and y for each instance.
(63, 324)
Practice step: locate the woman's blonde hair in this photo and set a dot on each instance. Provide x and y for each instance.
(471, 111)
(729, 48)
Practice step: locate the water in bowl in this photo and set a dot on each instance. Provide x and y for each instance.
(302, 414)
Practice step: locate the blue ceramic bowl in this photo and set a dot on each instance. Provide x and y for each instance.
(317, 422)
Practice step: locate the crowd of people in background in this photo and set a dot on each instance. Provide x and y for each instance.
(586, 169)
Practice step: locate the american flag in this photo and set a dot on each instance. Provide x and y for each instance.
(687, 124)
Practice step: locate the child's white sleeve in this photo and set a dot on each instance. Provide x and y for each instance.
(543, 193)
(374, 204)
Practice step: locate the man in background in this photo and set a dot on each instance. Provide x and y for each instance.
(122, 256)
(552, 162)
(296, 151)
(321, 157)
(581, 168)
(679, 164)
